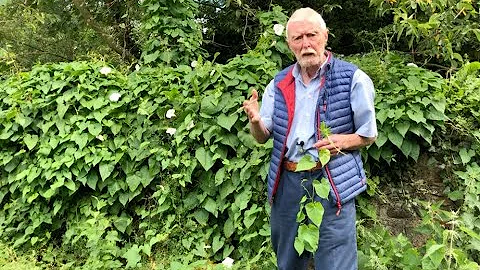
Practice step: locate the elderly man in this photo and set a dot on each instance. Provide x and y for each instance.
(317, 88)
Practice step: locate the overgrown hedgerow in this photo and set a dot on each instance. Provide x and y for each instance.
(118, 168)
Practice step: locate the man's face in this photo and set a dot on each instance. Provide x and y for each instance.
(307, 41)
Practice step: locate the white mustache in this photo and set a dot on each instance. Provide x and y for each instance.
(308, 50)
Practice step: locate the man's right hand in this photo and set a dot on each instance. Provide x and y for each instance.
(258, 130)
(251, 108)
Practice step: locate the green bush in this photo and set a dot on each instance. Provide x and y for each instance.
(104, 177)
(158, 165)
(409, 103)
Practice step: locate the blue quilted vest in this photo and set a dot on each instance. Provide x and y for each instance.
(344, 172)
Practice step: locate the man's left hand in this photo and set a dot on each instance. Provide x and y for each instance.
(336, 143)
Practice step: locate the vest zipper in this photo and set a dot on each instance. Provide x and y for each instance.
(329, 176)
(325, 99)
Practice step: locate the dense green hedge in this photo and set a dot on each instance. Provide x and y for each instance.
(83, 170)
(116, 169)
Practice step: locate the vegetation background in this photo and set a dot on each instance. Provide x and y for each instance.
(122, 144)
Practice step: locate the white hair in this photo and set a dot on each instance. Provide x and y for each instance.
(306, 14)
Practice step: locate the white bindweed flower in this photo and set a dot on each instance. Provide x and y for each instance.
(278, 29)
(411, 65)
(105, 70)
(137, 67)
(228, 262)
(170, 113)
(171, 131)
(190, 125)
(100, 137)
(194, 64)
(115, 96)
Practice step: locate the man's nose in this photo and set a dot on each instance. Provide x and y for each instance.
(305, 42)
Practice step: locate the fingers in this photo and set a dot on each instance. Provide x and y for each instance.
(321, 144)
(250, 107)
(328, 145)
(334, 151)
(254, 118)
(254, 96)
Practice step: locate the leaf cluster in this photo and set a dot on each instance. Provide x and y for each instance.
(410, 105)
(84, 170)
(171, 33)
(442, 31)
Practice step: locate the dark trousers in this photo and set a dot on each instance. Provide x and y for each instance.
(337, 249)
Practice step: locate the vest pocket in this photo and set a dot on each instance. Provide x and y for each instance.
(359, 170)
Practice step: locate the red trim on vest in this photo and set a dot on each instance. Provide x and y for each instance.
(287, 87)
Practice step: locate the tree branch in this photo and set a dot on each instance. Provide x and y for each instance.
(38, 49)
(90, 21)
(207, 4)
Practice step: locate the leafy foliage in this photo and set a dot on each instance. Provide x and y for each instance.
(172, 34)
(54, 31)
(274, 45)
(447, 235)
(73, 158)
(310, 215)
(464, 99)
(93, 161)
(410, 105)
(441, 29)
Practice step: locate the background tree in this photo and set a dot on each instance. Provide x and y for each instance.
(232, 27)
(171, 33)
(56, 30)
(437, 32)
(128, 31)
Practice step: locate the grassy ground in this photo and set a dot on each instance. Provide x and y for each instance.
(10, 261)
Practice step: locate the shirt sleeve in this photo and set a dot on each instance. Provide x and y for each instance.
(362, 101)
(266, 109)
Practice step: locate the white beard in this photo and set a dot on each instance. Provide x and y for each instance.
(309, 61)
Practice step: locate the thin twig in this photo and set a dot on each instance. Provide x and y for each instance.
(38, 49)
(207, 4)
(244, 30)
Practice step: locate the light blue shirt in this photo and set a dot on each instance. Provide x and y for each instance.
(302, 133)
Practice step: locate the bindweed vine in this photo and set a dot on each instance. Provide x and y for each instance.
(310, 214)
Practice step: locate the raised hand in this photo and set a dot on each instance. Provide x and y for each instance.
(251, 108)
